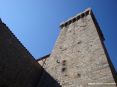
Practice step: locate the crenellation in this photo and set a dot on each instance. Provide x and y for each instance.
(75, 18)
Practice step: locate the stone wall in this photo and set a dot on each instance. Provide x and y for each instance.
(79, 58)
(18, 68)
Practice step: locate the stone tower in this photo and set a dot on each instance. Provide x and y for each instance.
(79, 57)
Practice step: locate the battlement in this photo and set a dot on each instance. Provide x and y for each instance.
(86, 12)
(76, 17)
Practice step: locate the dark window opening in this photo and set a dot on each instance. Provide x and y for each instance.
(63, 69)
(64, 62)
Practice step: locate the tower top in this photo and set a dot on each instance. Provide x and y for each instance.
(76, 17)
(86, 12)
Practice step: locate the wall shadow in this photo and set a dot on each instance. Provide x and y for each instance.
(46, 80)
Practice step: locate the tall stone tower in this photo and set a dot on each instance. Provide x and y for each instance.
(79, 58)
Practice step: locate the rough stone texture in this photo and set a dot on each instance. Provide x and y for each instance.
(18, 68)
(46, 79)
(79, 57)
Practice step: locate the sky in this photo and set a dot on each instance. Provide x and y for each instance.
(36, 22)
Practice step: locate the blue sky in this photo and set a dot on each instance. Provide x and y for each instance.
(36, 22)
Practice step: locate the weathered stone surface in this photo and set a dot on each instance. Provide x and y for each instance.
(79, 56)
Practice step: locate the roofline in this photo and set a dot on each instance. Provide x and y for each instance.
(44, 57)
(76, 17)
(88, 11)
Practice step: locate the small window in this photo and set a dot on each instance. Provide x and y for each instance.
(64, 62)
(63, 69)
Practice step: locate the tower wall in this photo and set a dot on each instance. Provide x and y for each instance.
(78, 58)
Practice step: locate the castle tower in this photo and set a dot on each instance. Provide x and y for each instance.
(79, 58)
